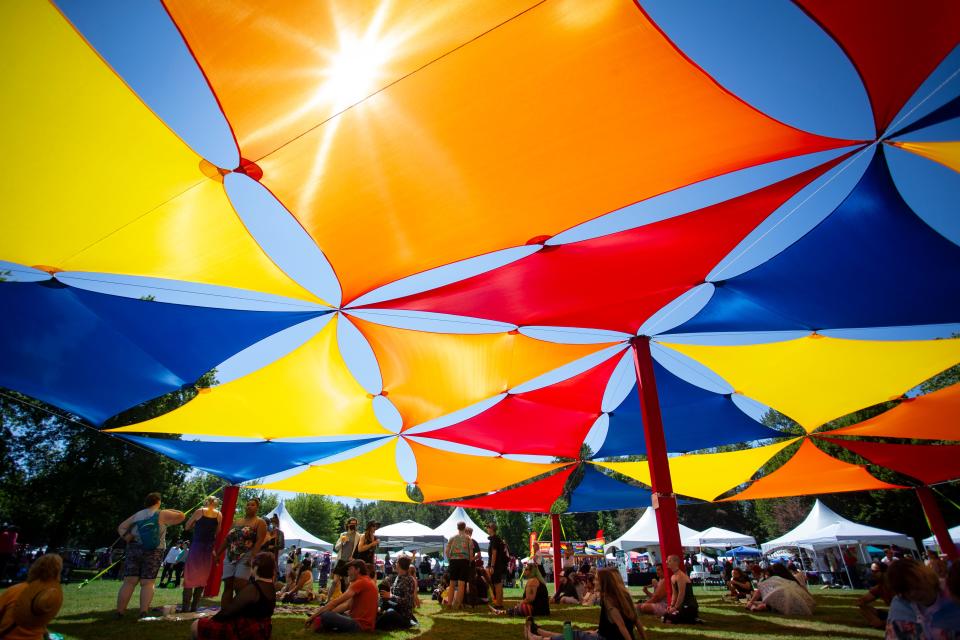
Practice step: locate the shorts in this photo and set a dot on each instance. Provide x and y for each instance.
(341, 568)
(239, 569)
(142, 563)
(460, 569)
(497, 576)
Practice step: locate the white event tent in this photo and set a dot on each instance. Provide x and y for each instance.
(718, 538)
(644, 534)
(823, 528)
(410, 535)
(448, 528)
(294, 534)
(931, 542)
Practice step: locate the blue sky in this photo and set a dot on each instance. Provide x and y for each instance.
(766, 51)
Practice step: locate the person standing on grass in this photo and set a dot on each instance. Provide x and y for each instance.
(205, 523)
(345, 547)
(458, 552)
(242, 544)
(497, 563)
(145, 533)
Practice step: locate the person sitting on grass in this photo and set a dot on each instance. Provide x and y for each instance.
(656, 602)
(536, 600)
(739, 584)
(567, 590)
(28, 607)
(360, 599)
(617, 615)
(301, 590)
(249, 614)
(684, 608)
(876, 618)
(781, 593)
(922, 609)
(399, 603)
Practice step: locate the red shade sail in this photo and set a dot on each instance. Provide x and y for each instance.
(928, 463)
(536, 497)
(616, 281)
(893, 45)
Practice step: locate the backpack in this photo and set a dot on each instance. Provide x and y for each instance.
(149, 531)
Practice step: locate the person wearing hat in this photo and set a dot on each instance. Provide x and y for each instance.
(368, 544)
(27, 608)
(345, 547)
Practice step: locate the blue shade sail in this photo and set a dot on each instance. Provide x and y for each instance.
(96, 355)
(949, 111)
(871, 263)
(240, 461)
(599, 492)
(693, 418)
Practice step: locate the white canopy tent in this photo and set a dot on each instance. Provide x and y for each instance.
(718, 538)
(931, 542)
(644, 534)
(823, 528)
(448, 528)
(410, 535)
(294, 534)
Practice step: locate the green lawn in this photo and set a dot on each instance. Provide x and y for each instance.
(87, 614)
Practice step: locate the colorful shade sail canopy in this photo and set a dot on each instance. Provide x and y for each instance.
(871, 263)
(809, 472)
(946, 153)
(479, 131)
(693, 418)
(95, 354)
(242, 461)
(826, 377)
(535, 497)
(156, 186)
(599, 492)
(706, 475)
(925, 462)
(372, 475)
(892, 67)
(928, 417)
(947, 111)
(308, 392)
(553, 420)
(595, 283)
(462, 369)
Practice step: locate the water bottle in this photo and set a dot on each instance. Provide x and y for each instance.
(567, 631)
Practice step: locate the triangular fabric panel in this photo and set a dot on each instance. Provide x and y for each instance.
(946, 153)
(816, 378)
(705, 476)
(241, 461)
(427, 375)
(478, 131)
(925, 462)
(443, 474)
(871, 263)
(536, 497)
(893, 47)
(948, 111)
(83, 133)
(599, 492)
(95, 355)
(371, 476)
(308, 392)
(589, 283)
(809, 472)
(933, 416)
(693, 418)
(550, 421)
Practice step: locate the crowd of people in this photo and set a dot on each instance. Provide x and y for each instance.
(922, 600)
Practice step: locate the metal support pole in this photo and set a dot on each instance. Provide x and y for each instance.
(937, 525)
(230, 495)
(557, 560)
(843, 561)
(664, 501)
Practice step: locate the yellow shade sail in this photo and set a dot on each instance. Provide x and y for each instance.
(816, 379)
(96, 182)
(946, 153)
(443, 474)
(484, 145)
(427, 375)
(708, 475)
(810, 472)
(372, 475)
(308, 392)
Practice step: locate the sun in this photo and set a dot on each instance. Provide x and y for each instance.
(355, 69)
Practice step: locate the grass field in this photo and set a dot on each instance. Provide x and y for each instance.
(87, 614)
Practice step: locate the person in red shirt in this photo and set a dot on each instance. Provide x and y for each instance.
(360, 600)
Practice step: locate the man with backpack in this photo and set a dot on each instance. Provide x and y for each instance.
(145, 534)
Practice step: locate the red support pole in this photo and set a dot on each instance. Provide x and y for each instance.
(937, 525)
(555, 543)
(230, 495)
(664, 501)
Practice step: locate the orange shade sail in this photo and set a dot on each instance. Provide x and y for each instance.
(934, 416)
(810, 472)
